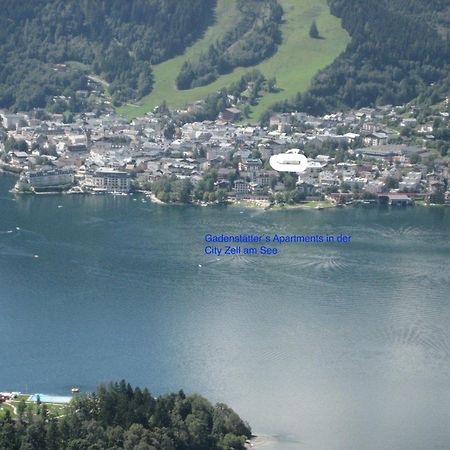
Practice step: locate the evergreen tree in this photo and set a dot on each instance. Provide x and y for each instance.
(313, 31)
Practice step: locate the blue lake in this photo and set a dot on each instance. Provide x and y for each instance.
(324, 346)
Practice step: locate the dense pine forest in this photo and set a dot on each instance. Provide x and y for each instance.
(115, 39)
(399, 50)
(119, 417)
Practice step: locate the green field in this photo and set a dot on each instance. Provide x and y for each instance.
(54, 408)
(298, 57)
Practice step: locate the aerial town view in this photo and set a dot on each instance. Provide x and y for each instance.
(224, 224)
(385, 154)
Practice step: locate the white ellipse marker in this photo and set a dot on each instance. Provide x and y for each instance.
(289, 162)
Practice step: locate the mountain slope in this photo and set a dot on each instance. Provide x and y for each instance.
(117, 40)
(296, 61)
(398, 49)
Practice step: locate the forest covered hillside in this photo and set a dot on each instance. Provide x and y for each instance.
(114, 39)
(248, 36)
(395, 51)
(399, 50)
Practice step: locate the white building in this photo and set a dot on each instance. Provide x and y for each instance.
(108, 180)
(241, 187)
(410, 182)
(375, 187)
(47, 178)
(312, 173)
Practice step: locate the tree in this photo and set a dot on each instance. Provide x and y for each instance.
(314, 31)
(443, 148)
(296, 196)
(279, 197)
(231, 441)
(406, 132)
(289, 181)
(271, 84)
(9, 437)
(437, 198)
(52, 436)
(390, 183)
(345, 187)
(246, 110)
(144, 83)
(273, 182)
(221, 196)
(35, 435)
(169, 131)
(21, 407)
(185, 189)
(185, 77)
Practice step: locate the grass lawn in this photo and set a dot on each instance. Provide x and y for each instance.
(306, 205)
(56, 409)
(297, 60)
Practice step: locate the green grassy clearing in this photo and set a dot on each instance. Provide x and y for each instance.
(306, 205)
(297, 60)
(54, 408)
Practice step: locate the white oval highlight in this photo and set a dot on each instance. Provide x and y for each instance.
(289, 162)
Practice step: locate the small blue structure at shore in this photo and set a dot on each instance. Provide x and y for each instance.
(44, 398)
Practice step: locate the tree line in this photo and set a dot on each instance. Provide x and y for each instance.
(118, 417)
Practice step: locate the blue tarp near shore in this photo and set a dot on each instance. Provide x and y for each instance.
(44, 398)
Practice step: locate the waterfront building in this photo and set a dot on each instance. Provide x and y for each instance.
(108, 180)
(241, 187)
(45, 178)
(394, 199)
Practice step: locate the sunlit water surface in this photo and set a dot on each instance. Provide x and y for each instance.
(324, 346)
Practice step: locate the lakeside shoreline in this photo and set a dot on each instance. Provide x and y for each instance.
(265, 205)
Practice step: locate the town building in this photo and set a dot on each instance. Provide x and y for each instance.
(107, 180)
(45, 178)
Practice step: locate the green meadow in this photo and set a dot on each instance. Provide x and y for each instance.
(297, 60)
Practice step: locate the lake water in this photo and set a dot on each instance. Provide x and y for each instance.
(324, 346)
